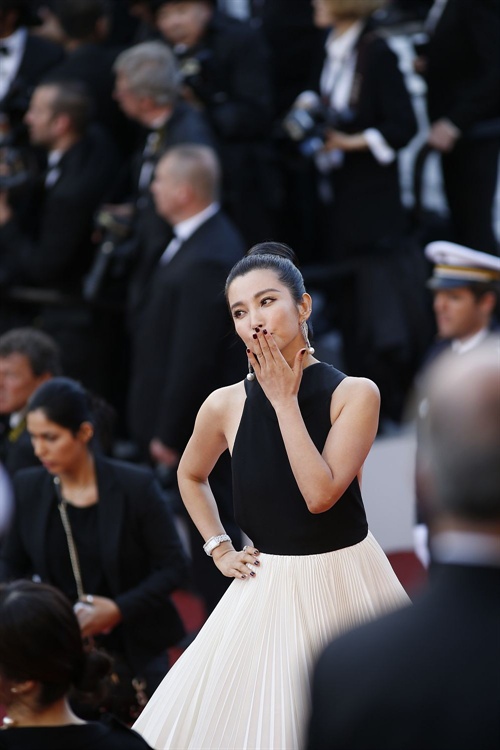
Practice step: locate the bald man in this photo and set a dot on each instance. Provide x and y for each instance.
(183, 341)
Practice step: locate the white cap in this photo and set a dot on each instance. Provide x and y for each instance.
(456, 265)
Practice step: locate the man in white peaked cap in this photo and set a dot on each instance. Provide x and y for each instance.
(466, 286)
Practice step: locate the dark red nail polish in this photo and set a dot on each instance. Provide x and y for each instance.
(256, 552)
(257, 562)
(243, 576)
(254, 335)
(248, 351)
(252, 573)
(264, 331)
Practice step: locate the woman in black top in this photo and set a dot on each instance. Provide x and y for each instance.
(127, 556)
(299, 432)
(41, 659)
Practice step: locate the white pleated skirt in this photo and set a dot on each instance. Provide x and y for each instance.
(244, 682)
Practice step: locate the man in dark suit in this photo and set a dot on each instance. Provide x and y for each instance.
(46, 240)
(428, 676)
(183, 346)
(24, 60)
(85, 27)
(27, 358)
(224, 65)
(463, 77)
(147, 90)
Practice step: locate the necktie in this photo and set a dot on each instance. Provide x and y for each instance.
(171, 249)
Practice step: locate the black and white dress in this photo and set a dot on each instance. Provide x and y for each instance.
(245, 680)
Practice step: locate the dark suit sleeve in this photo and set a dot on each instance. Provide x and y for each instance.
(480, 22)
(202, 321)
(161, 546)
(394, 115)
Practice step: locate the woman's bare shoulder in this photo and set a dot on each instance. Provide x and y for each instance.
(355, 391)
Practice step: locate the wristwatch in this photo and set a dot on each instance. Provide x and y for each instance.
(214, 542)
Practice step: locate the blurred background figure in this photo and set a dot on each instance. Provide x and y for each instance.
(28, 358)
(24, 60)
(183, 346)
(42, 660)
(466, 287)
(461, 65)
(46, 233)
(102, 532)
(422, 663)
(224, 67)
(351, 128)
(83, 28)
(147, 90)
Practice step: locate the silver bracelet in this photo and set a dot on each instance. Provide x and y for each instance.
(214, 542)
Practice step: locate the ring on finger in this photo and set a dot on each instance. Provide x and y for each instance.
(245, 548)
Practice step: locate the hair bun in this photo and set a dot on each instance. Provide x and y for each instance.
(274, 248)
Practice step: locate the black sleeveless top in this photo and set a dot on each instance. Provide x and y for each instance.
(268, 505)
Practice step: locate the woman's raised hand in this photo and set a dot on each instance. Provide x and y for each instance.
(279, 381)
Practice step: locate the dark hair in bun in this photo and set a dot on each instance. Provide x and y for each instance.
(272, 256)
(40, 640)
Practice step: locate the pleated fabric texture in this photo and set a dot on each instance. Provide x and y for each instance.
(244, 682)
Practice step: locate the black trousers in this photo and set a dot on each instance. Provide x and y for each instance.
(470, 175)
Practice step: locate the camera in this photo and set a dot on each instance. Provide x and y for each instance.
(308, 121)
(17, 169)
(116, 250)
(197, 72)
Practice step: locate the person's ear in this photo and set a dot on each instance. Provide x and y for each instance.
(305, 306)
(86, 432)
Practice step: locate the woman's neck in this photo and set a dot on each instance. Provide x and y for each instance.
(57, 714)
(79, 485)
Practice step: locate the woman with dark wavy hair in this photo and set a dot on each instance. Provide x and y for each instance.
(41, 660)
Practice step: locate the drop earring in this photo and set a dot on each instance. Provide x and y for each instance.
(251, 374)
(305, 333)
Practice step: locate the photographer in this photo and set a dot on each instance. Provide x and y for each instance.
(225, 69)
(46, 242)
(358, 194)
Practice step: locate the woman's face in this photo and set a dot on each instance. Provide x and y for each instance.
(322, 14)
(58, 449)
(260, 300)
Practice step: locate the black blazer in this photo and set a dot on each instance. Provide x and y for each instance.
(141, 552)
(183, 343)
(463, 74)
(40, 56)
(48, 243)
(362, 186)
(426, 676)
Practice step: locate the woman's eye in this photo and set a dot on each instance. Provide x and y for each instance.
(266, 300)
(237, 313)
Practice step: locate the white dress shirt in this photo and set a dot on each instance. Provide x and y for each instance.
(336, 84)
(184, 229)
(9, 63)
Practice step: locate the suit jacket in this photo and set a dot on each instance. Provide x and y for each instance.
(183, 345)
(40, 56)
(426, 676)
(48, 243)
(463, 73)
(186, 125)
(142, 557)
(362, 186)
(16, 450)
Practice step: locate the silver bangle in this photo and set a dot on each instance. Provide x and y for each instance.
(214, 542)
